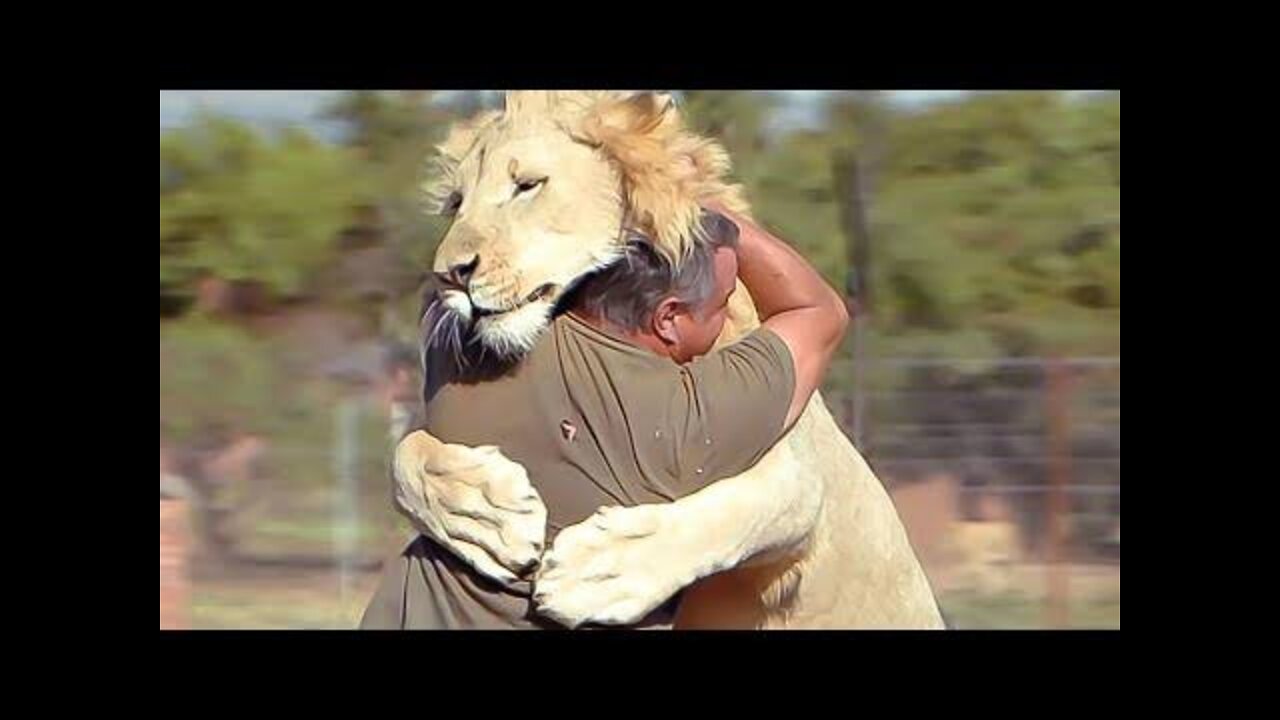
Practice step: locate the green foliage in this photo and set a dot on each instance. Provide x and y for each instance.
(394, 133)
(1001, 213)
(240, 206)
(215, 378)
(995, 220)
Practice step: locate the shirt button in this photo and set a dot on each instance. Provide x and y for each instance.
(699, 471)
(657, 433)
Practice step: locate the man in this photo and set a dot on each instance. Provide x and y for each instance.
(622, 402)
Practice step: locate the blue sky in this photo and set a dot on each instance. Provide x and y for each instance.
(301, 106)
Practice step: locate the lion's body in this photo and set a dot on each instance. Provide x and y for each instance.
(808, 538)
(857, 570)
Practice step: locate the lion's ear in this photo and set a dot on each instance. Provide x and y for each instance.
(458, 142)
(639, 113)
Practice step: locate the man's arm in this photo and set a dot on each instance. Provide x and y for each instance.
(740, 399)
(794, 302)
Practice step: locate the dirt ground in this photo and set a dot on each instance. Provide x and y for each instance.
(282, 598)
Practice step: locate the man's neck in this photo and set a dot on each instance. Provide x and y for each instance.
(642, 340)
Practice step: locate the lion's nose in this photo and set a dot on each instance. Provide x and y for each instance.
(459, 275)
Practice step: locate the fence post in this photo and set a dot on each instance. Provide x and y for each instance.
(1057, 409)
(175, 594)
(346, 518)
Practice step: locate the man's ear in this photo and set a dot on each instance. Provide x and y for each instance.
(663, 322)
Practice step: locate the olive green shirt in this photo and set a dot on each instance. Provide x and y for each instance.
(595, 421)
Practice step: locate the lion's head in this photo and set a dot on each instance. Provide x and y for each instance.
(540, 193)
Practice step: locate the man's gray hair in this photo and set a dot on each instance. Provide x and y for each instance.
(627, 292)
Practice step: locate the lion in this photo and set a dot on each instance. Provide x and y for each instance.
(538, 194)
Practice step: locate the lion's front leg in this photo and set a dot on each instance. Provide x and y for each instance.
(473, 501)
(622, 563)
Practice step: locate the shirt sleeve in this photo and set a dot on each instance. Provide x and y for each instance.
(735, 406)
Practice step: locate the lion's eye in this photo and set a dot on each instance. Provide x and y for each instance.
(452, 203)
(524, 185)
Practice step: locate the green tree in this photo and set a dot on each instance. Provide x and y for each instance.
(740, 120)
(243, 207)
(996, 227)
(394, 133)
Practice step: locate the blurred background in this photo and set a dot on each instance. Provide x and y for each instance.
(977, 236)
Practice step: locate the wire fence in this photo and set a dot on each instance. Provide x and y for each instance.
(1006, 474)
(1005, 471)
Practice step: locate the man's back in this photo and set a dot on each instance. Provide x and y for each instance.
(597, 421)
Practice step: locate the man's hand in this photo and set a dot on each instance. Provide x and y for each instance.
(793, 301)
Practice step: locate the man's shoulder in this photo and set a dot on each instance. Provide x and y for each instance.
(762, 349)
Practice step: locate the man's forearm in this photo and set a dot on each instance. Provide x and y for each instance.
(778, 278)
(795, 302)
